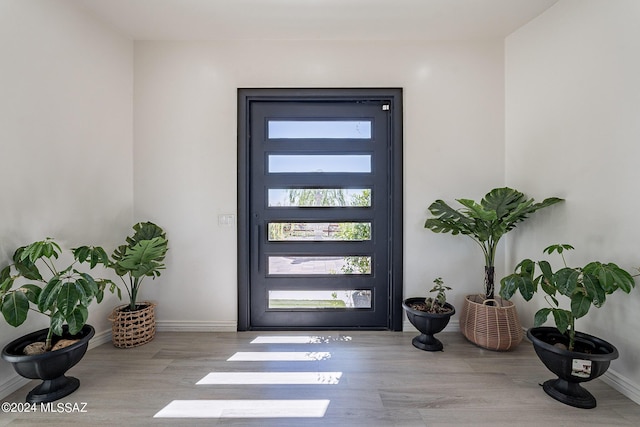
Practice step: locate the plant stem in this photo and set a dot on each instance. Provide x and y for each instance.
(50, 267)
(47, 344)
(489, 287)
(572, 334)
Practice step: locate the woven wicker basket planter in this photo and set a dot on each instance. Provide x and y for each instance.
(133, 328)
(494, 327)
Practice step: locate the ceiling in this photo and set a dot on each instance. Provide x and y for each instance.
(315, 19)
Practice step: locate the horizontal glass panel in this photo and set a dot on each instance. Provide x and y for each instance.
(319, 197)
(338, 163)
(319, 231)
(319, 265)
(319, 129)
(320, 299)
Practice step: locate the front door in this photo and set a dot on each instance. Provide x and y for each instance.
(320, 209)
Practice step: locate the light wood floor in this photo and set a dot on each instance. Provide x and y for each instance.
(385, 382)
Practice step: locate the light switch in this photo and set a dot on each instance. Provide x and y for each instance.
(226, 220)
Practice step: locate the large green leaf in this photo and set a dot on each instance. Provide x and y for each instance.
(477, 211)
(6, 283)
(502, 201)
(143, 258)
(76, 319)
(562, 319)
(546, 278)
(68, 298)
(145, 231)
(509, 285)
(546, 270)
(15, 307)
(521, 280)
(566, 280)
(117, 256)
(541, 316)
(49, 295)
(90, 286)
(85, 290)
(527, 288)
(57, 321)
(591, 285)
(580, 304)
(32, 292)
(447, 219)
(25, 266)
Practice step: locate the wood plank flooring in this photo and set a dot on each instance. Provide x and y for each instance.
(385, 381)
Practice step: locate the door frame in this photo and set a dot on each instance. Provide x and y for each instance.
(391, 96)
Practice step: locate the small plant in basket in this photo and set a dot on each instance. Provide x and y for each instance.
(142, 256)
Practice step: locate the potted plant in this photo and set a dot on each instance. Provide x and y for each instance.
(64, 297)
(142, 256)
(429, 316)
(485, 320)
(573, 356)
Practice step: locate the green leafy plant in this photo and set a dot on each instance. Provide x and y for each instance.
(64, 296)
(142, 256)
(486, 222)
(437, 304)
(583, 286)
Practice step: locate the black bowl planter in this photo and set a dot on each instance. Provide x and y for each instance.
(571, 367)
(49, 367)
(428, 324)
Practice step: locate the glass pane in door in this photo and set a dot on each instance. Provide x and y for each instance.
(318, 163)
(319, 129)
(305, 300)
(296, 265)
(319, 197)
(319, 231)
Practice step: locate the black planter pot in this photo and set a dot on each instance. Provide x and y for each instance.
(428, 324)
(49, 367)
(571, 367)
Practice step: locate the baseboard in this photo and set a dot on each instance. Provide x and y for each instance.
(100, 338)
(622, 384)
(12, 384)
(196, 326)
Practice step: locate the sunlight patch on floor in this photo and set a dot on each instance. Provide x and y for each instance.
(295, 339)
(244, 409)
(279, 356)
(311, 378)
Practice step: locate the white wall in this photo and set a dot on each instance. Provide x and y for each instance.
(186, 142)
(573, 104)
(66, 136)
